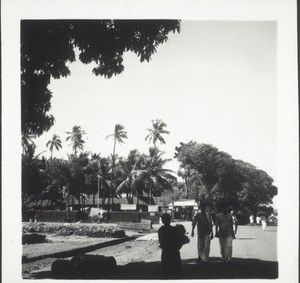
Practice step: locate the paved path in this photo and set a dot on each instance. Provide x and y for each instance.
(249, 243)
(254, 256)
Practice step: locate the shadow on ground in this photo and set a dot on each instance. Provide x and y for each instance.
(239, 268)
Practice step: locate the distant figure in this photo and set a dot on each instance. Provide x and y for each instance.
(263, 222)
(205, 233)
(235, 222)
(272, 218)
(224, 231)
(32, 215)
(251, 219)
(258, 220)
(171, 240)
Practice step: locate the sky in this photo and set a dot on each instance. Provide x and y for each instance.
(214, 83)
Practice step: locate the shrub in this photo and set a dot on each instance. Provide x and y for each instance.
(79, 230)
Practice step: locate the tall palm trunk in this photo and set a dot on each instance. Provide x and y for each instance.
(103, 198)
(111, 178)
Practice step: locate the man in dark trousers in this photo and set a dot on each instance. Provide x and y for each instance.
(205, 233)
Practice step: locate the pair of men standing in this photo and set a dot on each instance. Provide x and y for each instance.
(224, 231)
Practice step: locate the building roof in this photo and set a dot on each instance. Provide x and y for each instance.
(187, 202)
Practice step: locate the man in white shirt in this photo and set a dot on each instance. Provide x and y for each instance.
(205, 233)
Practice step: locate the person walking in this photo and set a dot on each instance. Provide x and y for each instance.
(235, 222)
(258, 220)
(251, 220)
(224, 231)
(263, 222)
(205, 234)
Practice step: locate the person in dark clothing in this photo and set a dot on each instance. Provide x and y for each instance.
(224, 231)
(171, 240)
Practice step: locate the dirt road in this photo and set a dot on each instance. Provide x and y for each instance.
(254, 256)
(249, 243)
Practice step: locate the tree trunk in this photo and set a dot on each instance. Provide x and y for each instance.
(103, 198)
(112, 173)
(186, 186)
(94, 199)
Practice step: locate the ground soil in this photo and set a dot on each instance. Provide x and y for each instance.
(127, 252)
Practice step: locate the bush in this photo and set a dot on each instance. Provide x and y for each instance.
(79, 230)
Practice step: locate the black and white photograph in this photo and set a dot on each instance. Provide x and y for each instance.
(149, 141)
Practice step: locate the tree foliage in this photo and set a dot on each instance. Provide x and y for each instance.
(214, 175)
(75, 136)
(158, 129)
(175, 193)
(58, 175)
(148, 175)
(55, 142)
(47, 47)
(32, 177)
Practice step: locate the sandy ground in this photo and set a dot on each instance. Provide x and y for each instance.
(254, 256)
(60, 243)
(124, 253)
(131, 251)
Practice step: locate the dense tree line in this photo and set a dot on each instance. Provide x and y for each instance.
(208, 174)
(211, 175)
(61, 181)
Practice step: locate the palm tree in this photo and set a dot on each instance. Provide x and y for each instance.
(158, 128)
(119, 135)
(55, 142)
(32, 168)
(101, 165)
(150, 177)
(76, 138)
(125, 167)
(27, 142)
